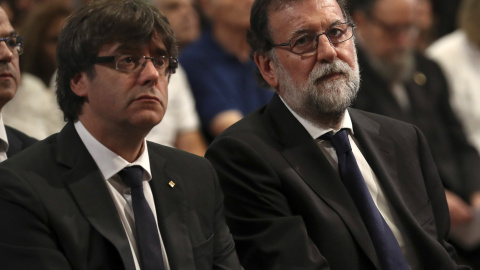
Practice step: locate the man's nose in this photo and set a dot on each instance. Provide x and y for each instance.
(149, 74)
(6, 54)
(326, 51)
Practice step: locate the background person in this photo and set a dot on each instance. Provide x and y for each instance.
(219, 70)
(12, 141)
(401, 83)
(458, 54)
(180, 127)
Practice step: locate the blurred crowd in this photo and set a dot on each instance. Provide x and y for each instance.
(419, 62)
(211, 38)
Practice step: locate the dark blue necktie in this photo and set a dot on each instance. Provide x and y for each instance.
(385, 243)
(148, 240)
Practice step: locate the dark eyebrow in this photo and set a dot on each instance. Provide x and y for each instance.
(337, 22)
(127, 47)
(160, 51)
(131, 48)
(301, 32)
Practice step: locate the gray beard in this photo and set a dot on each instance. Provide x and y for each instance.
(394, 71)
(317, 100)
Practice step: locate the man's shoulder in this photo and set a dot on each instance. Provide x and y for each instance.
(384, 125)
(255, 122)
(14, 133)
(36, 154)
(363, 117)
(18, 141)
(174, 157)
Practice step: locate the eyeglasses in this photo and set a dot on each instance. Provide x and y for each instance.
(309, 42)
(394, 29)
(14, 44)
(133, 63)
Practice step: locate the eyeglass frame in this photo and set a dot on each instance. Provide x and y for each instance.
(393, 30)
(18, 43)
(169, 69)
(316, 39)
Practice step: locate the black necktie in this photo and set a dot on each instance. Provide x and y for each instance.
(385, 243)
(148, 240)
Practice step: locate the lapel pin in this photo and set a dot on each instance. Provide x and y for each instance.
(171, 184)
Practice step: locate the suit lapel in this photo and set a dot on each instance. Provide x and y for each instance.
(304, 155)
(14, 143)
(378, 151)
(171, 208)
(90, 191)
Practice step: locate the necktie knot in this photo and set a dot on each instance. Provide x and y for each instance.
(339, 141)
(148, 239)
(132, 176)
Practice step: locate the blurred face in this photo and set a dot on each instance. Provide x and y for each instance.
(118, 101)
(9, 69)
(318, 83)
(390, 32)
(233, 13)
(183, 18)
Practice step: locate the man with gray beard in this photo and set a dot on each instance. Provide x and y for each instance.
(403, 84)
(287, 204)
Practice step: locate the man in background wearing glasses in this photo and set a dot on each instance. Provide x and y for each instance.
(97, 195)
(12, 141)
(401, 83)
(286, 203)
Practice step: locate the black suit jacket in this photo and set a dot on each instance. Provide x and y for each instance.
(457, 161)
(288, 209)
(57, 212)
(17, 141)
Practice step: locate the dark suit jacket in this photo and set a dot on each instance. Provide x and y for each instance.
(17, 141)
(57, 212)
(457, 161)
(288, 209)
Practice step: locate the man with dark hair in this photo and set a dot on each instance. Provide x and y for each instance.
(97, 195)
(312, 184)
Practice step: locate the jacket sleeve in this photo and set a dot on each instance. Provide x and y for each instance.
(26, 241)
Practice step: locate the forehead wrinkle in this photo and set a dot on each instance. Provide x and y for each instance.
(153, 47)
(289, 15)
(309, 30)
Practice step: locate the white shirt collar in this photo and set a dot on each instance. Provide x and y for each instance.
(3, 136)
(107, 161)
(316, 130)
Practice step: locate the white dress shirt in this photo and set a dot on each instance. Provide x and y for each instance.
(369, 176)
(3, 141)
(110, 164)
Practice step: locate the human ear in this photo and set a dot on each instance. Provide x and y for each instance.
(267, 69)
(79, 83)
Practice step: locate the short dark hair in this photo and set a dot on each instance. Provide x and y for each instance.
(101, 22)
(259, 36)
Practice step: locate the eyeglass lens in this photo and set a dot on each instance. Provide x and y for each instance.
(132, 63)
(336, 34)
(14, 43)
